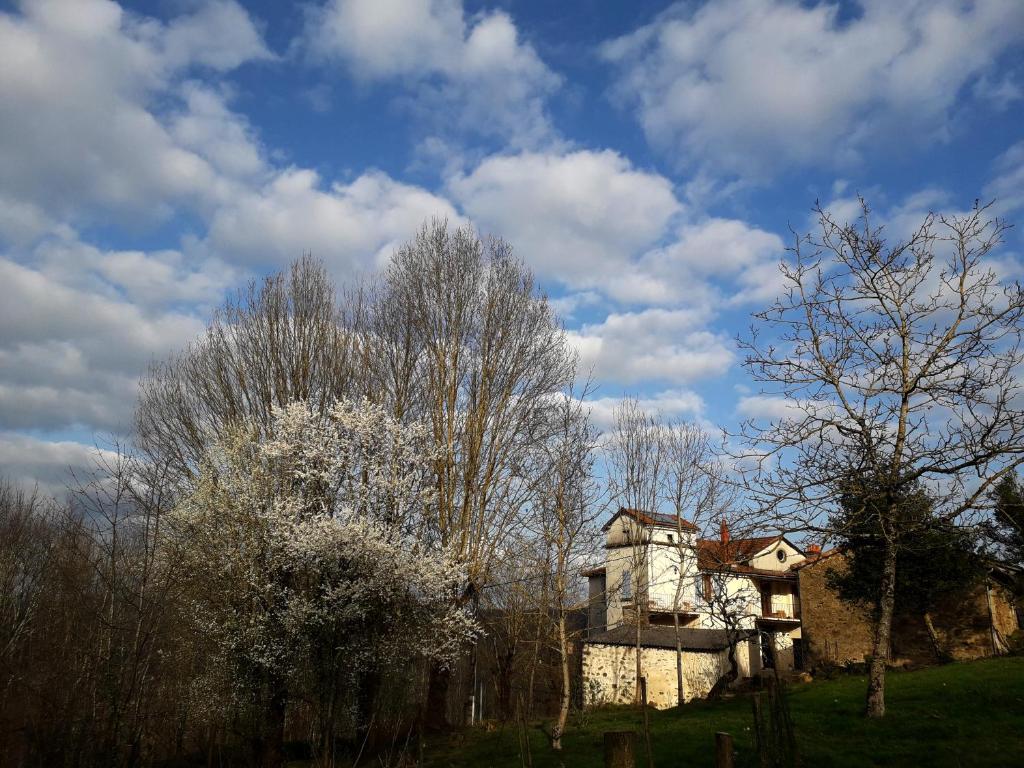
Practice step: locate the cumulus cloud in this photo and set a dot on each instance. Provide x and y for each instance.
(72, 356)
(593, 222)
(653, 345)
(753, 85)
(577, 217)
(30, 462)
(743, 257)
(1007, 186)
(477, 70)
(351, 226)
(81, 81)
(670, 403)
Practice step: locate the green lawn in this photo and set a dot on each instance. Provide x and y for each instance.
(958, 715)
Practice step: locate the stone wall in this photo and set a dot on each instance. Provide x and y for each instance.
(835, 632)
(609, 673)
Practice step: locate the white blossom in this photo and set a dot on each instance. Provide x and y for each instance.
(315, 536)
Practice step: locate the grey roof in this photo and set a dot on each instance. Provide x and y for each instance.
(665, 637)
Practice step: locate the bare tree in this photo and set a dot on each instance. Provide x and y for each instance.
(25, 551)
(279, 341)
(896, 359)
(635, 455)
(697, 490)
(565, 512)
(457, 336)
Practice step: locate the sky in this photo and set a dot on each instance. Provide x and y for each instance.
(648, 160)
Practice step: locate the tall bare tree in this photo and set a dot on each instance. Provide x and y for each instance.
(898, 359)
(565, 512)
(280, 340)
(635, 457)
(458, 336)
(697, 491)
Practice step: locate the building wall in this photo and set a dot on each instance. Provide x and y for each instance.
(655, 566)
(769, 560)
(836, 632)
(609, 673)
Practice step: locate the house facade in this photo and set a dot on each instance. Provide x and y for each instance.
(731, 597)
(755, 603)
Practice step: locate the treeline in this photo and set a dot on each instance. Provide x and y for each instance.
(298, 551)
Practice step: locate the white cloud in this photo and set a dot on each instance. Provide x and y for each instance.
(71, 356)
(81, 81)
(1007, 187)
(593, 222)
(578, 218)
(474, 72)
(219, 35)
(30, 462)
(751, 86)
(351, 226)
(743, 258)
(652, 345)
(767, 408)
(670, 403)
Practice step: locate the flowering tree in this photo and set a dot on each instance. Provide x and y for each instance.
(302, 548)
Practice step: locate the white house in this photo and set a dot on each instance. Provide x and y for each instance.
(725, 592)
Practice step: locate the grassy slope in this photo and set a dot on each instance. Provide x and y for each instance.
(957, 715)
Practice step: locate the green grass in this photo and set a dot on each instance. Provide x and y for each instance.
(968, 714)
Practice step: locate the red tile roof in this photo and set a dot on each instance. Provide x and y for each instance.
(712, 553)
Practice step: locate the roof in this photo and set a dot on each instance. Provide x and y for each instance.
(815, 559)
(712, 553)
(652, 518)
(665, 637)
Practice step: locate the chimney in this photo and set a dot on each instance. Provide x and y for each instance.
(724, 530)
(813, 550)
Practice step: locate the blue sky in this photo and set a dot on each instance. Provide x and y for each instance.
(645, 158)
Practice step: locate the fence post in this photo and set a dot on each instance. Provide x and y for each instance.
(723, 750)
(620, 749)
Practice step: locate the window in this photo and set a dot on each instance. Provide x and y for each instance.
(781, 554)
(627, 585)
(707, 591)
(671, 539)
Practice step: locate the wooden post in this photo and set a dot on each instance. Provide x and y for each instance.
(620, 749)
(723, 750)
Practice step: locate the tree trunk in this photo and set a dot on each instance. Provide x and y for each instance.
(563, 708)
(503, 682)
(875, 704)
(933, 636)
(639, 663)
(436, 715)
(270, 740)
(366, 697)
(680, 692)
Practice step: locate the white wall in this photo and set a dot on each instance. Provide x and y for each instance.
(655, 565)
(769, 559)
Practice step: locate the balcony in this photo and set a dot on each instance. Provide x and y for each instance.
(660, 605)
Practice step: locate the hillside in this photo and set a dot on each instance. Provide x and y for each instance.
(968, 714)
